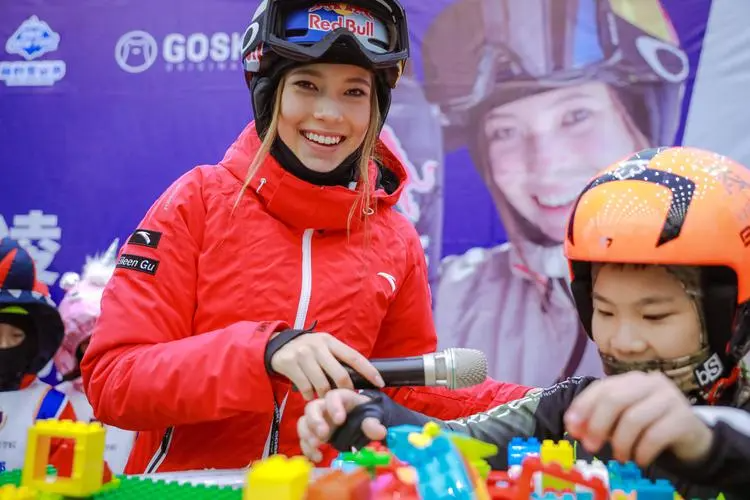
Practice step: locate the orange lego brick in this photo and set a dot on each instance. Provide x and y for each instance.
(339, 485)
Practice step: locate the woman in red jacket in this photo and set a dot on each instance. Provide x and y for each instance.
(210, 314)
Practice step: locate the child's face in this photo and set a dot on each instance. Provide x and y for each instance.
(10, 336)
(643, 314)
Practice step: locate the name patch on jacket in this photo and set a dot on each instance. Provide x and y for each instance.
(145, 238)
(138, 263)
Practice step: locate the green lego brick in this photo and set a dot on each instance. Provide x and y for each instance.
(132, 488)
(14, 476)
(367, 458)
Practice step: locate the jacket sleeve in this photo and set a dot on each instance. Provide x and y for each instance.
(539, 414)
(146, 368)
(728, 461)
(409, 330)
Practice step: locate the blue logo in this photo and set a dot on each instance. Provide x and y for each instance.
(32, 39)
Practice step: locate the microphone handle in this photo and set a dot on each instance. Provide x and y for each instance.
(396, 372)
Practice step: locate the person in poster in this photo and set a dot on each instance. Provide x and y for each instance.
(544, 94)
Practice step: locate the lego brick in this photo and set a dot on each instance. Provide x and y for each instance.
(653, 490)
(84, 456)
(533, 465)
(390, 487)
(135, 488)
(593, 469)
(367, 457)
(560, 453)
(339, 485)
(621, 495)
(11, 492)
(278, 478)
(624, 472)
(553, 496)
(519, 448)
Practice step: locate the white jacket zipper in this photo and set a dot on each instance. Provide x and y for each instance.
(299, 320)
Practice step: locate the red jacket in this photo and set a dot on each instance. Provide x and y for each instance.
(177, 353)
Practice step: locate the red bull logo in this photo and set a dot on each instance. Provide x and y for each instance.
(342, 9)
(418, 180)
(316, 22)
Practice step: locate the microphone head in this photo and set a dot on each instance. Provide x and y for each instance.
(466, 367)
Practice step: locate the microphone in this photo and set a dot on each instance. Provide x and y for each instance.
(454, 368)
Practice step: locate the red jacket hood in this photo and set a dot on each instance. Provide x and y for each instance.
(297, 202)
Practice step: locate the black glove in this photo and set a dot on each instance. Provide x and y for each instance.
(279, 341)
(350, 434)
(380, 407)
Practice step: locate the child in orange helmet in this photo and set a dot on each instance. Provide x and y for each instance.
(657, 248)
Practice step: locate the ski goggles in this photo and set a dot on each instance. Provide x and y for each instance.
(305, 31)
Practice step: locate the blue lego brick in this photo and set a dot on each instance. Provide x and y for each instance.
(344, 465)
(518, 448)
(439, 465)
(625, 487)
(661, 489)
(623, 472)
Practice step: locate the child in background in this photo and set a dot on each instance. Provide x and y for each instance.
(79, 309)
(30, 332)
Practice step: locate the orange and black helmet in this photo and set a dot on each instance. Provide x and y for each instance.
(672, 206)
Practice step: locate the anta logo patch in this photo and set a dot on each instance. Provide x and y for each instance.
(145, 238)
(138, 263)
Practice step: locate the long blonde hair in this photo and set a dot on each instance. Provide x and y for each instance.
(363, 203)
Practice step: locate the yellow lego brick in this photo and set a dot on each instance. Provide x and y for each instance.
(560, 453)
(278, 478)
(86, 455)
(471, 448)
(11, 492)
(431, 429)
(482, 467)
(67, 429)
(419, 440)
(423, 439)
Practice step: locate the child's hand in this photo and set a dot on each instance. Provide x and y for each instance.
(323, 416)
(641, 415)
